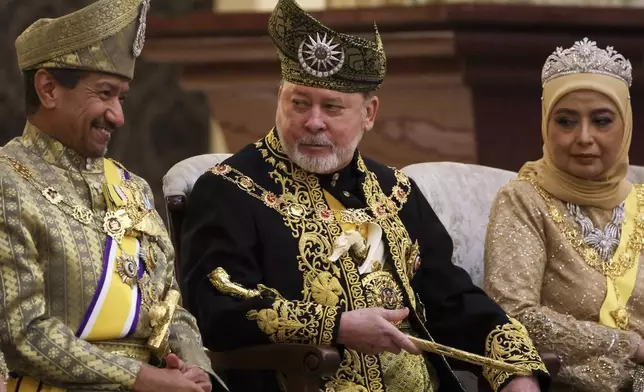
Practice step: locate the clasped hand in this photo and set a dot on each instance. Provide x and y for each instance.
(175, 377)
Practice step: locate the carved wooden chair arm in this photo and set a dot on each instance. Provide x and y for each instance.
(303, 365)
(552, 362)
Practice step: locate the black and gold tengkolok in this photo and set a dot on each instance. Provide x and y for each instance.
(311, 54)
(106, 36)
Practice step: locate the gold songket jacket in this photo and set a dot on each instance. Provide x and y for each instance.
(59, 286)
(539, 269)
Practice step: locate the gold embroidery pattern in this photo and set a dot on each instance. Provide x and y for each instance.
(326, 289)
(400, 245)
(382, 290)
(315, 245)
(510, 343)
(617, 267)
(293, 321)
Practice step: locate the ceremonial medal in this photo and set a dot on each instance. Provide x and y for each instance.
(116, 223)
(146, 253)
(128, 269)
(148, 292)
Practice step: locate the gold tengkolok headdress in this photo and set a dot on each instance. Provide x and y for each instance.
(585, 57)
(106, 36)
(312, 54)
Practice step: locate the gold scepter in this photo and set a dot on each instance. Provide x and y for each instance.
(221, 281)
(436, 348)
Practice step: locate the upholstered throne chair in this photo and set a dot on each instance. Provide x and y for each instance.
(461, 195)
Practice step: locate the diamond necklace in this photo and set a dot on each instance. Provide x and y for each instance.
(605, 241)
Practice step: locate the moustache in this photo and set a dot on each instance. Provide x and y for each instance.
(103, 123)
(315, 140)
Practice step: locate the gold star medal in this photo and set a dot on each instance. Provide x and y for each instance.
(128, 269)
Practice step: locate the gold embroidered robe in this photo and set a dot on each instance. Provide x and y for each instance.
(50, 266)
(538, 277)
(267, 222)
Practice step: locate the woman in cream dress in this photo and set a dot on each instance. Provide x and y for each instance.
(564, 241)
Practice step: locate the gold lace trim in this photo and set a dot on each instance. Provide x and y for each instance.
(617, 267)
(510, 343)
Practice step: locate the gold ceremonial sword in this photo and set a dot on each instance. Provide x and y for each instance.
(221, 280)
(436, 348)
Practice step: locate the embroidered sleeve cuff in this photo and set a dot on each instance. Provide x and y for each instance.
(298, 322)
(510, 343)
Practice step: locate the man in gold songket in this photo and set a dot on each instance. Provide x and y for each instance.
(298, 238)
(89, 301)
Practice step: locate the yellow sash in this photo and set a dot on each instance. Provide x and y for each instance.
(115, 307)
(622, 286)
(115, 311)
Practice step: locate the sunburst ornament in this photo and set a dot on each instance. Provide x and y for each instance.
(320, 57)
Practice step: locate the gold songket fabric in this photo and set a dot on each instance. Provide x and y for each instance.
(55, 322)
(106, 36)
(540, 271)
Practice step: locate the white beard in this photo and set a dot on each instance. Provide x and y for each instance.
(321, 165)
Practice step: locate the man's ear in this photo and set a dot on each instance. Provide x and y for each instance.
(371, 108)
(47, 89)
(279, 90)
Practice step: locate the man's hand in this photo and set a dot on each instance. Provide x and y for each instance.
(151, 379)
(192, 373)
(522, 384)
(199, 377)
(370, 331)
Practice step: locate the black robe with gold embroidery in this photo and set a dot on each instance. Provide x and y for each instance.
(232, 223)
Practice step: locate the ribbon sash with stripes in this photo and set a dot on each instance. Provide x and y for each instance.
(114, 310)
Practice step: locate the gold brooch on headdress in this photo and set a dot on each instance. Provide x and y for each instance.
(585, 57)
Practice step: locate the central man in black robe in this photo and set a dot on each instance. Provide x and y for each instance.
(298, 238)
